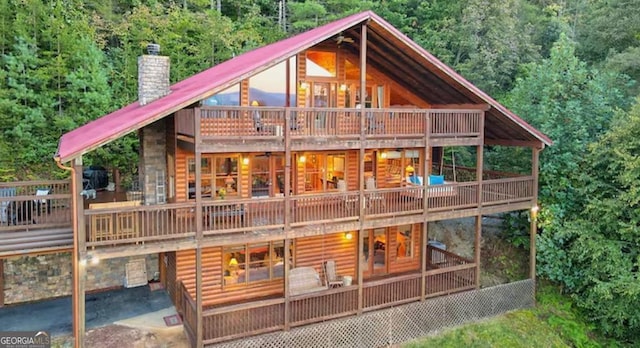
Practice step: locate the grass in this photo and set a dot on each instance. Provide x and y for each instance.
(554, 322)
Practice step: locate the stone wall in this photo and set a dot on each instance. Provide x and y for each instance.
(153, 163)
(30, 278)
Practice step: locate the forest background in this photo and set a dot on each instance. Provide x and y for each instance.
(568, 67)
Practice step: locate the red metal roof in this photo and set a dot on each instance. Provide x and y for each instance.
(132, 117)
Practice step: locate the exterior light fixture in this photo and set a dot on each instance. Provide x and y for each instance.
(245, 161)
(383, 155)
(302, 159)
(304, 85)
(343, 87)
(348, 236)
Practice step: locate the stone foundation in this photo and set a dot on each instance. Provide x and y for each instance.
(31, 278)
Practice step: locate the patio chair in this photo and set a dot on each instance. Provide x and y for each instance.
(331, 278)
(42, 204)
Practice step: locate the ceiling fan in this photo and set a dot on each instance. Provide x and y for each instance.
(343, 39)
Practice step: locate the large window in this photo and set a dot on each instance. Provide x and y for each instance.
(322, 172)
(322, 64)
(228, 97)
(219, 176)
(269, 88)
(267, 175)
(250, 263)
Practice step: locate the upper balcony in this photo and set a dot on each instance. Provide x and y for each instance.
(224, 129)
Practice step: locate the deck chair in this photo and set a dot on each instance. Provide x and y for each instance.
(331, 278)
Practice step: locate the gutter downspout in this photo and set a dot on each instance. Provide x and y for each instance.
(78, 336)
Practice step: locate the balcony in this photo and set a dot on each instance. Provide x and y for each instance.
(239, 128)
(308, 214)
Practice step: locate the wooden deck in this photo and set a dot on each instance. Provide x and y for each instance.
(222, 323)
(35, 216)
(49, 225)
(226, 129)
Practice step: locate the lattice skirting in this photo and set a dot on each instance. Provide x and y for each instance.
(402, 323)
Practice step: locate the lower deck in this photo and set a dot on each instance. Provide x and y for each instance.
(444, 273)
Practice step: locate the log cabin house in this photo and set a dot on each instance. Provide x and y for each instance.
(293, 185)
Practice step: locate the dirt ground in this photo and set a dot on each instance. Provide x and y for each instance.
(127, 337)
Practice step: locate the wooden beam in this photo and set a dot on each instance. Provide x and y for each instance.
(484, 107)
(512, 142)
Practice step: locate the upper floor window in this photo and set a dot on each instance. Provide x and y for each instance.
(269, 87)
(322, 64)
(227, 97)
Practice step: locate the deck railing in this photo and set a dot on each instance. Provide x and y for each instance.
(47, 204)
(228, 122)
(187, 308)
(229, 322)
(448, 273)
(120, 225)
(507, 190)
(391, 291)
(323, 305)
(136, 224)
(328, 207)
(35, 204)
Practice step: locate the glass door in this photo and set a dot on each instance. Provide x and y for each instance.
(374, 258)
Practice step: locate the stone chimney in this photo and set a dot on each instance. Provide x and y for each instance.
(153, 83)
(153, 75)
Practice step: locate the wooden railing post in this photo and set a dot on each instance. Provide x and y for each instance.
(199, 228)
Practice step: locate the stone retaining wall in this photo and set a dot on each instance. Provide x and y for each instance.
(30, 278)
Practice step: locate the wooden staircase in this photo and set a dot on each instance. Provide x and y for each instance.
(36, 241)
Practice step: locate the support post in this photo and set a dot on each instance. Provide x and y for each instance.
(287, 209)
(479, 179)
(361, 232)
(425, 212)
(79, 251)
(199, 229)
(533, 215)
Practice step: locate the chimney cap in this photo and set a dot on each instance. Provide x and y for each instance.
(153, 49)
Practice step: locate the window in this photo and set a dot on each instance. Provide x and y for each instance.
(321, 64)
(250, 263)
(405, 242)
(269, 87)
(228, 97)
(217, 173)
(267, 175)
(323, 171)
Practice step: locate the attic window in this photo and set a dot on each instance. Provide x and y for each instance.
(321, 64)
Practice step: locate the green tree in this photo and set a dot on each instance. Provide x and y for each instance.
(573, 105)
(596, 255)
